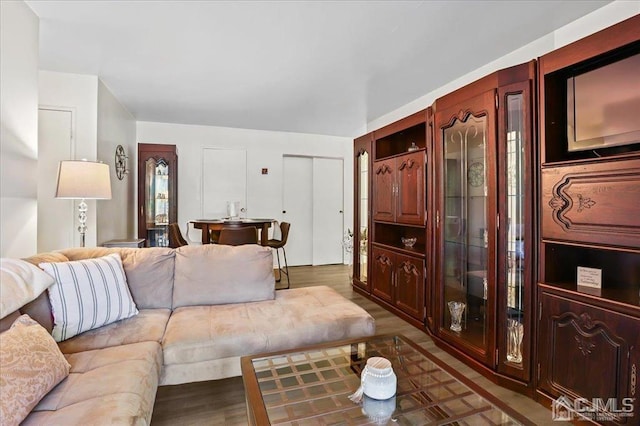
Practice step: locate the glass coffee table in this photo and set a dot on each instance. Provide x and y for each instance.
(311, 387)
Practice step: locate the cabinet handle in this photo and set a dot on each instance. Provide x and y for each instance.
(634, 379)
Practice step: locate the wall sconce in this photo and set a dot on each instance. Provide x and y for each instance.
(121, 162)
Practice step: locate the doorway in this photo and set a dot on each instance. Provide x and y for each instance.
(313, 197)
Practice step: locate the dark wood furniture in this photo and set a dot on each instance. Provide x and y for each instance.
(209, 226)
(175, 236)
(516, 199)
(238, 236)
(362, 164)
(394, 200)
(589, 206)
(312, 385)
(483, 156)
(278, 244)
(157, 192)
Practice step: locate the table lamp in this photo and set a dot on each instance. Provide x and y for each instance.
(83, 180)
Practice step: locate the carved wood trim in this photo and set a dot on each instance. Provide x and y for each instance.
(595, 192)
(384, 168)
(407, 164)
(409, 269)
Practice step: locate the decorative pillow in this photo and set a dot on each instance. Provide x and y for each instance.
(31, 364)
(20, 283)
(88, 294)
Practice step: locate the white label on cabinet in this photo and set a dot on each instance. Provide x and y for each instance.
(589, 277)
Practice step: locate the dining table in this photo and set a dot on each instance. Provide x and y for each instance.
(209, 226)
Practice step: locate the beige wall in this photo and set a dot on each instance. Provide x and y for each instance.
(116, 126)
(19, 29)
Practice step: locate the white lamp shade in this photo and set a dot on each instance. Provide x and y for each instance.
(83, 179)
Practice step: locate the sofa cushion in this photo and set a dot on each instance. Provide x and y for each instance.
(149, 272)
(31, 364)
(295, 318)
(114, 385)
(213, 274)
(147, 326)
(88, 294)
(20, 283)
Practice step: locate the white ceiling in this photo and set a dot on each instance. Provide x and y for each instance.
(303, 66)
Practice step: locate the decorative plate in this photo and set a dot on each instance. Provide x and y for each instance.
(475, 174)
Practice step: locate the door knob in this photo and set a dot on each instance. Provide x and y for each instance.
(284, 211)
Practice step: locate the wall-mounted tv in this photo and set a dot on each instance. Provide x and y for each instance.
(603, 106)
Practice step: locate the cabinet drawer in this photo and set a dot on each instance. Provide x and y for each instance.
(593, 203)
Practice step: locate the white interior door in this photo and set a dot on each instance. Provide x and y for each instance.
(297, 209)
(224, 178)
(328, 211)
(56, 217)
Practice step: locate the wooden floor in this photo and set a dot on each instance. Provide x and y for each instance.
(222, 402)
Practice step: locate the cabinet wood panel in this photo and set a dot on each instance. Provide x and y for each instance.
(411, 191)
(410, 285)
(594, 203)
(382, 273)
(384, 194)
(588, 352)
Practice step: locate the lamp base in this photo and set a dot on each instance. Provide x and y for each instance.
(82, 217)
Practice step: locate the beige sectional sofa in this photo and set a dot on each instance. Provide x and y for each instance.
(200, 309)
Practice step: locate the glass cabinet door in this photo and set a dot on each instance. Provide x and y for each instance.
(157, 192)
(466, 150)
(157, 201)
(362, 168)
(513, 246)
(363, 231)
(465, 231)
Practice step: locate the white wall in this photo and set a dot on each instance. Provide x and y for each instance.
(602, 18)
(79, 93)
(264, 150)
(100, 124)
(19, 29)
(116, 126)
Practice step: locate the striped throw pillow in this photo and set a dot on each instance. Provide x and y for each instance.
(88, 294)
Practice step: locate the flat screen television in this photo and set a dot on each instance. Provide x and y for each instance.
(603, 106)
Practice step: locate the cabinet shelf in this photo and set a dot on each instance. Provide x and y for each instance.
(399, 154)
(418, 250)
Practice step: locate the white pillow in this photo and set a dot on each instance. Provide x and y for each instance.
(88, 294)
(20, 283)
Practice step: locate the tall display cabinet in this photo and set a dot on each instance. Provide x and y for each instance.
(483, 158)
(363, 155)
(589, 202)
(157, 192)
(396, 195)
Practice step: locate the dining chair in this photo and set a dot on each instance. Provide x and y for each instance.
(175, 236)
(236, 236)
(279, 244)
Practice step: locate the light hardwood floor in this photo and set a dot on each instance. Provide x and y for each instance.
(222, 402)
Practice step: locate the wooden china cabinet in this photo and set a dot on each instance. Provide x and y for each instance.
(522, 190)
(157, 192)
(483, 160)
(397, 201)
(589, 206)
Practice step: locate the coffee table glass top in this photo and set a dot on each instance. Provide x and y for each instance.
(311, 387)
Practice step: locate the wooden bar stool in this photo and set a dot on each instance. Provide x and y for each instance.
(279, 244)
